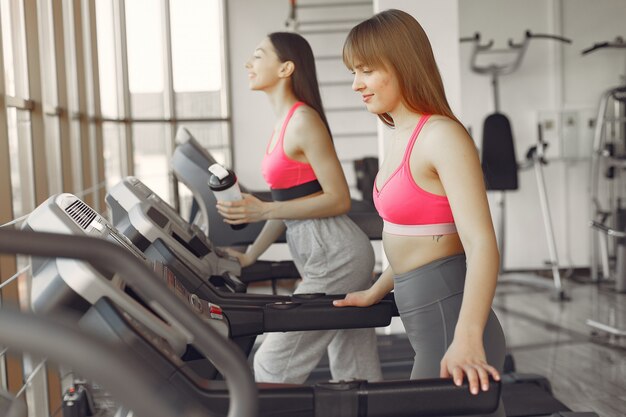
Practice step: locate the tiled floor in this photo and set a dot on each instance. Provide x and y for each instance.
(587, 372)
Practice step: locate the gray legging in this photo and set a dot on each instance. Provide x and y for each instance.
(429, 301)
(333, 256)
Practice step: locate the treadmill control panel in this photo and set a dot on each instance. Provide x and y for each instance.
(203, 308)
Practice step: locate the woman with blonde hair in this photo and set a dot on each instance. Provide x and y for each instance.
(438, 233)
(311, 199)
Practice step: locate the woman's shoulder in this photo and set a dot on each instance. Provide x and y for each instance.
(306, 121)
(444, 141)
(442, 130)
(305, 115)
(438, 122)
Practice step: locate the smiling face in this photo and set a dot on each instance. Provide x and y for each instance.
(378, 87)
(264, 67)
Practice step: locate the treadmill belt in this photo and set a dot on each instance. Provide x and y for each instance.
(529, 399)
(396, 359)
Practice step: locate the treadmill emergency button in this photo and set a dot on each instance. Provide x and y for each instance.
(215, 311)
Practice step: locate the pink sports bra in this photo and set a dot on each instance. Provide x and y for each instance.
(278, 169)
(408, 209)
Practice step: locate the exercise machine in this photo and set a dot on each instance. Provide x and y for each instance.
(190, 163)
(351, 398)
(240, 316)
(607, 191)
(498, 159)
(142, 216)
(107, 312)
(345, 398)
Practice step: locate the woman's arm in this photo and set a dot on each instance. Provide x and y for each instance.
(382, 286)
(270, 232)
(455, 160)
(306, 140)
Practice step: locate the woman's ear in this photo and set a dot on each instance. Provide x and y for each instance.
(286, 69)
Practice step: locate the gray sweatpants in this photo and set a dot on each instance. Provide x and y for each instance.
(333, 256)
(429, 301)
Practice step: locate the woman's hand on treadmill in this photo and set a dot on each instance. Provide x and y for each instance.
(363, 298)
(243, 258)
(247, 210)
(465, 357)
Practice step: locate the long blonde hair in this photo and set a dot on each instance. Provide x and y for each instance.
(394, 40)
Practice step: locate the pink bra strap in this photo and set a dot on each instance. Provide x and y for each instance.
(289, 114)
(414, 136)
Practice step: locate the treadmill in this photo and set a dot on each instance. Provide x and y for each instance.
(239, 316)
(521, 386)
(142, 216)
(524, 394)
(190, 163)
(433, 397)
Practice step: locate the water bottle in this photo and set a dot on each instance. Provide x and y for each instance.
(223, 183)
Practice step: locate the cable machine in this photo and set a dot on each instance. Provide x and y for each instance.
(498, 159)
(608, 190)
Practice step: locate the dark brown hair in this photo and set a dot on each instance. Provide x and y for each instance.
(292, 47)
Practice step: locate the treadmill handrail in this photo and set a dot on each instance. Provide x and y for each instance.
(223, 353)
(114, 368)
(16, 406)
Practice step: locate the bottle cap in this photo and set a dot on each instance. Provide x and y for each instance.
(219, 171)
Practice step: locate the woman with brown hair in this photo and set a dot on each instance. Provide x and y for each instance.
(438, 233)
(311, 199)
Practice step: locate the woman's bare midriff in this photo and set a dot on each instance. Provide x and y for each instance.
(406, 253)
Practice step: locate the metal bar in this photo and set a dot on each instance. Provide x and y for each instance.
(547, 221)
(83, 152)
(615, 119)
(123, 94)
(37, 130)
(594, 182)
(227, 105)
(12, 364)
(603, 249)
(169, 98)
(14, 277)
(502, 229)
(167, 120)
(606, 328)
(19, 103)
(608, 230)
(15, 221)
(99, 175)
(496, 97)
(62, 95)
(52, 110)
(31, 377)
